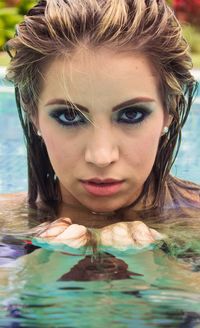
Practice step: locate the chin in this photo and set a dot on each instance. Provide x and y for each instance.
(110, 207)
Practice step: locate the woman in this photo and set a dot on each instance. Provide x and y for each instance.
(103, 90)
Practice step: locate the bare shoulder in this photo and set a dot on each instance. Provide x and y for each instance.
(187, 190)
(18, 195)
(14, 213)
(14, 199)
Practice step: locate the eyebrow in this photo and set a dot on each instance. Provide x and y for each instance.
(115, 108)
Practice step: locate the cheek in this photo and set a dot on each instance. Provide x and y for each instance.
(61, 152)
(141, 153)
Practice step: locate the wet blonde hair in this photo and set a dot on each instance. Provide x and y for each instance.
(56, 28)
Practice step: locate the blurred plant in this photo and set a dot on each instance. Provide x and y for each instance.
(188, 11)
(25, 5)
(11, 2)
(169, 2)
(192, 35)
(11, 13)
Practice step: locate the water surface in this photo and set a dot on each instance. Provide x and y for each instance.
(44, 285)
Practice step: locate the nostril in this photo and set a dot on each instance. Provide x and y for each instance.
(101, 157)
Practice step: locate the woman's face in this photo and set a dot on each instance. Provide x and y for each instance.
(103, 150)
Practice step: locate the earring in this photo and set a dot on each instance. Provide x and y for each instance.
(165, 130)
(39, 133)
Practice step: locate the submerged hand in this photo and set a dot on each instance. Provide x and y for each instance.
(62, 231)
(126, 234)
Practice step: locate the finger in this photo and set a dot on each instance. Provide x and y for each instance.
(120, 230)
(55, 228)
(132, 234)
(76, 243)
(63, 220)
(156, 235)
(77, 237)
(48, 225)
(142, 240)
(116, 236)
(40, 227)
(142, 235)
(74, 231)
(52, 232)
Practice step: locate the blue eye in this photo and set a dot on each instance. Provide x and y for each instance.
(133, 115)
(68, 117)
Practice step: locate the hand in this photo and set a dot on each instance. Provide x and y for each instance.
(125, 234)
(62, 231)
(118, 235)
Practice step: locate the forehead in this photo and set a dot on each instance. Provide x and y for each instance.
(102, 73)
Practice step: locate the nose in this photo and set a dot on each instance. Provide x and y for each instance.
(102, 148)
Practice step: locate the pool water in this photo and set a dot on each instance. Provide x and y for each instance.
(144, 288)
(158, 286)
(13, 170)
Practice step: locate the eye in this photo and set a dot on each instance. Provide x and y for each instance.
(68, 116)
(133, 115)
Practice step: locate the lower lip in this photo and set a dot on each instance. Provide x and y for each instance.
(106, 189)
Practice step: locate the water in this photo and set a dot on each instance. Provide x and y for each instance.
(13, 172)
(48, 288)
(145, 288)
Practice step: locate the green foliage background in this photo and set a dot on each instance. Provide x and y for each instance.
(10, 16)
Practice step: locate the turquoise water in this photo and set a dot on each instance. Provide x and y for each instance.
(49, 288)
(12, 148)
(42, 286)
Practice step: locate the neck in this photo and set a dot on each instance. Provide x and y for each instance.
(93, 219)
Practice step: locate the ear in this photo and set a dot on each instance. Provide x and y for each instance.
(166, 124)
(35, 122)
(168, 120)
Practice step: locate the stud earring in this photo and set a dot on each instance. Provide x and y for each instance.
(39, 133)
(165, 130)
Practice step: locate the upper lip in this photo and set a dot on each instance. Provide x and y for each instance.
(99, 180)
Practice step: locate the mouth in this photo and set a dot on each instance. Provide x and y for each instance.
(102, 187)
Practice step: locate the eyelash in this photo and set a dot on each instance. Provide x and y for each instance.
(142, 110)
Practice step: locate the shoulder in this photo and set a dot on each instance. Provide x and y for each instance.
(184, 185)
(14, 196)
(12, 200)
(182, 190)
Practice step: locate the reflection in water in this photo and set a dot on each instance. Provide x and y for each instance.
(41, 287)
(102, 267)
(139, 290)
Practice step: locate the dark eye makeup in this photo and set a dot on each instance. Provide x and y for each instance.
(70, 117)
(133, 114)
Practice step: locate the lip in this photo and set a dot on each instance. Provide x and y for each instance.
(102, 187)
